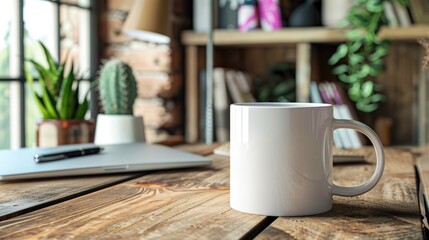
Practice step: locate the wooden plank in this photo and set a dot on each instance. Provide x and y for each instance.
(19, 197)
(400, 85)
(296, 35)
(200, 148)
(191, 85)
(422, 164)
(303, 72)
(283, 36)
(390, 210)
(405, 33)
(192, 203)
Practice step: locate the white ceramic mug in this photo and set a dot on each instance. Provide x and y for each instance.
(281, 158)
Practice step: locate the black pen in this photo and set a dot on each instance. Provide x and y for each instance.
(67, 154)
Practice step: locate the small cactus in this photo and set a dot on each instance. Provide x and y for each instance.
(118, 88)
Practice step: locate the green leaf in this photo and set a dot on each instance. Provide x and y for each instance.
(355, 59)
(340, 69)
(339, 54)
(49, 59)
(60, 78)
(47, 76)
(65, 100)
(355, 46)
(367, 89)
(374, 6)
(377, 98)
(264, 94)
(354, 92)
(374, 70)
(48, 100)
(83, 108)
(364, 72)
(37, 98)
(365, 107)
(283, 88)
(343, 77)
(379, 53)
(354, 34)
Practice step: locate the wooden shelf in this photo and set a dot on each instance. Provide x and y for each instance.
(302, 38)
(295, 35)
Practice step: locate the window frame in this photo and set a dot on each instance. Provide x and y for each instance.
(17, 84)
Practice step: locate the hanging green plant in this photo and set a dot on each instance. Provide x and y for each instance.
(360, 60)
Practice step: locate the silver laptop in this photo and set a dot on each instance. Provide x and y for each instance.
(130, 157)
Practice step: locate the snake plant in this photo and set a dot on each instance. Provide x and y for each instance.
(58, 96)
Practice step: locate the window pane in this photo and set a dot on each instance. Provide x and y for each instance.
(7, 35)
(75, 38)
(32, 115)
(4, 115)
(82, 3)
(40, 25)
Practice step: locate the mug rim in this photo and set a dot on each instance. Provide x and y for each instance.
(287, 105)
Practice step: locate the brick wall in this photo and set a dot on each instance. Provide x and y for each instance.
(158, 68)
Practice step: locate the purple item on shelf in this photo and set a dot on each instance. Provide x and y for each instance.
(269, 12)
(248, 16)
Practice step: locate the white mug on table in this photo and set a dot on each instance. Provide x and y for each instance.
(281, 158)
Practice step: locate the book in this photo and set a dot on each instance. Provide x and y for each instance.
(248, 18)
(338, 114)
(345, 113)
(227, 14)
(232, 85)
(314, 93)
(403, 15)
(221, 105)
(238, 85)
(338, 138)
(332, 93)
(202, 105)
(269, 14)
(390, 14)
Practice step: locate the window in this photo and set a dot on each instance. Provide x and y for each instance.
(64, 26)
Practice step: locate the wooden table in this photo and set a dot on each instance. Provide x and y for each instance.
(194, 204)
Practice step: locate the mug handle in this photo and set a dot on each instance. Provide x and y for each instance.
(373, 180)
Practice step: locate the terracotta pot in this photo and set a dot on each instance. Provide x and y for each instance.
(53, 132)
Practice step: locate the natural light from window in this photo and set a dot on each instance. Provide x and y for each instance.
(64, 28)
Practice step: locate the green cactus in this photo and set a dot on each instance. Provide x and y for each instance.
(118, 88)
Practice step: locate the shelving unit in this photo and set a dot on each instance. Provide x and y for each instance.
(295, 35)
(301, 37)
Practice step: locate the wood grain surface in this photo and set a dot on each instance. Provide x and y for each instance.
(390, 210)
(191, 203)
(18, 197)
(194, 204)
(422, 164)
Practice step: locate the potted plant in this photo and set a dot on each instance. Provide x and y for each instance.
(58, 101)
(118, 91)
(360, 60)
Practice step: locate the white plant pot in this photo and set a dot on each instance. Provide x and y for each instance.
(114, 129)
(334, 11)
